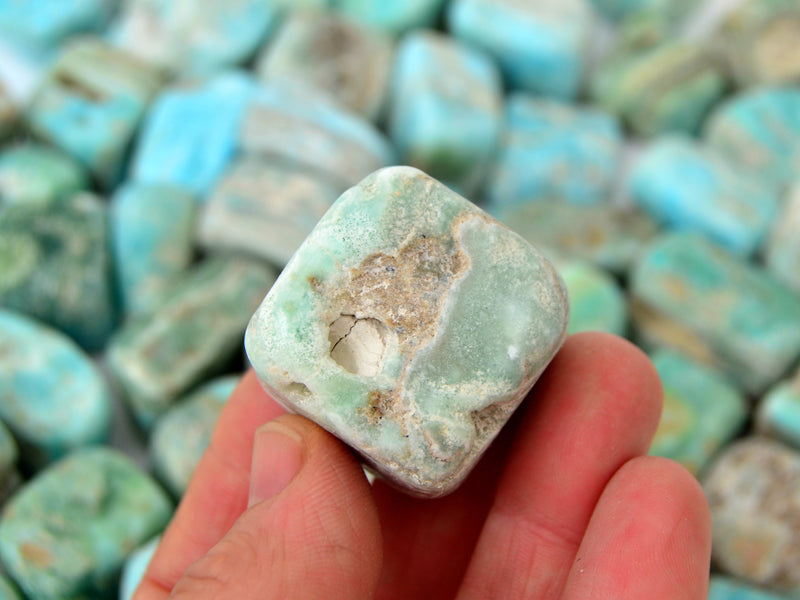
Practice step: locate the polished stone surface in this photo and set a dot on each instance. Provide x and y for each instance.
(135, 568)
(782, 255)
(393, 16)
(778, 412)
(8, 591)
(46, 23)
(726, 588)
(35, 173)
(596, 300)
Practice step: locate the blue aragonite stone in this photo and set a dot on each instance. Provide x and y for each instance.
(702, 411)
(90, 105)
(691, 295)
(34, 173)
(778, 412)
(191, 133)
(66, 534)
(541, 45)
(45, 23)
(759, 131)
(726, 588)
(8, 591)
(54, 399)
(782, 254)
(688, 186)
(445, 109)
(392, 16)
(135, 568)
(596, 300)
(152, 230)
(55, 265)
(182, 434)
(554, 151)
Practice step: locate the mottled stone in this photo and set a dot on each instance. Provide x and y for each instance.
(46, 23)
(55, 266)
(411, 325)
(670, 87)
(445, 111)
(8, 114)
(702, 411)
(689, 186)
(691, 295)
(266, 208)
(541, 45)
(67, 533)
(782, 254)
(620, 9)
(554, 151)
(135, 568)
(324, 51)
(152, 230)
(596, 300)
(191, 133)
(90, 105)
(182, 434)
(393, 16)
(726, 588)
(8, 591)
(778, 412)
(9, 476)
(755, 513)
(193, 333)
(33, 173)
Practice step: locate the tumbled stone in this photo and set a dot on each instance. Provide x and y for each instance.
(670, 87)
(55, 266)
(194, 331)
(8, 114)
(152, 231)
(702, 411)
(410, 324)
(726, 588)
(541, 45)
(182, 434)
(266, 208)
(90, 105)
(782, 254)
(54, 399)
(191, 133)
(554, 151)
(67, 533)
(619, 9)
(688, 186)
(324, 51)
(195, 38)
(9, 476)
(445, 111)
(691, 295)
(393, 16)
(46, 23)
(135, 568)
(596, 300)
(778, 413)
(33, 173)
(755, 513)
(8, 591)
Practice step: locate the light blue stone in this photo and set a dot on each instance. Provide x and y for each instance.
(8, 591)
(596, 300)
(541, 45)
(191, 133)
(726, 588)
(554, 151)
(782, 255)
(135, 568)
(152, 230)
(445, 111)
(778, 412)
(38, 174)
(54, 399)
(393, 16)
(688, 186)
(621, 9)
(45, 23)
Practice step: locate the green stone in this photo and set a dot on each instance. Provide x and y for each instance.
(410, 324)
(782, 255)
(66, 534)
(9, 477)
(33, 173)
(8, 590)
(778, 412)
(596, 300)
(192, 334)
(8, 114)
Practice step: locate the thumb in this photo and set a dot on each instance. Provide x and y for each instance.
(311, 529)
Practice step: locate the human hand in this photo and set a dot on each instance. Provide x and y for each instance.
(565, 504)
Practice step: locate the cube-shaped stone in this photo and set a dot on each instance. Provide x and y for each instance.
(266, 208)
(778, 412)
(554, 151)
(596, 300)
(349, 62)
(782, 254)
(67, 533)
(541, 45)
(34, 173)
(727, 588)
(691, 295)
(135, 568)
(91, 103)
(392, 16)
(40, 24)
(689, 186)
(445, 112)
(702, 411)
(411, 325)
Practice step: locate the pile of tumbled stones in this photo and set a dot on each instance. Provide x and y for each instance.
(176, 153)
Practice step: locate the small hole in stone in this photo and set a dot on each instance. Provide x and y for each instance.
(357, 345)
(297, 389)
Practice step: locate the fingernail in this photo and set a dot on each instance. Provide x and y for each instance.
(277, 458)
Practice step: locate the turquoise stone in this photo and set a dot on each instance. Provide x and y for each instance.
(152, 231)
(54, 399)
(32, 173)
(182, 434)
(554, 151)
(327, 52)
(266, 208)
(691, 295)
(8, 591)
(759, 131)
(620, 9)
(596, 300)
(9, 476)
(55, 265)
(688, 186)
(725, 588)
(668, 88)
(46, 23)
(755, 513)
(782, 254)
(541, 45)
(66, 534)
(410, 324)
(191, 133)
(445, 111)
(393, 16)
(702, 411)
(778, 412)
(90, 105)
(135, 568)
(193, 333)
(8, 114)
